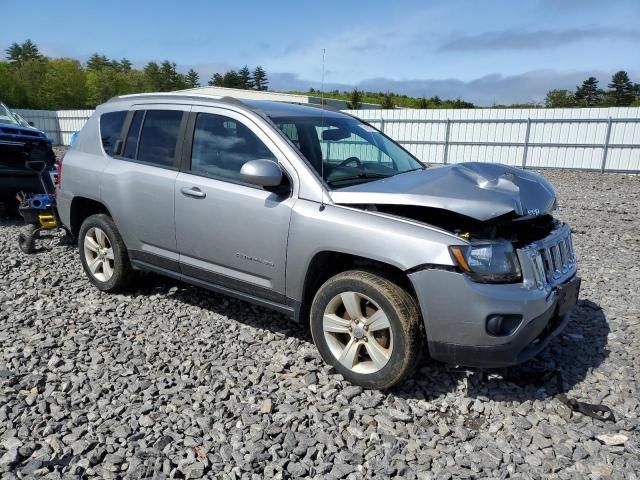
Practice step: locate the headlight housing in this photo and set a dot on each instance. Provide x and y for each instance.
(488, 262)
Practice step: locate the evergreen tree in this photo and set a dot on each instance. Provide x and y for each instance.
(216, 80)
(19, 54)
(588, 94)
(621, 90)
(170, 79)
(355, 101)
(193, 79)
(423, 103)
(245, 77)
(231, 79)
(98, 62)
(125, 65)
(152, 76)
(260, 81)
(387, 102)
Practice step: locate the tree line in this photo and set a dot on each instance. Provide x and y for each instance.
(621, 92)
(29, 79)
(243, 78)
(356, 98)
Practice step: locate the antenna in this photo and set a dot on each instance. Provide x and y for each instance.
(322, 131)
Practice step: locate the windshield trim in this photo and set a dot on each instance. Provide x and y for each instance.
(5, 112)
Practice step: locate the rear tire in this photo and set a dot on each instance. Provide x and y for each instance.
(367, 327)
(103, 254)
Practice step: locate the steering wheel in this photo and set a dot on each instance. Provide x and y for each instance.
(349, 160)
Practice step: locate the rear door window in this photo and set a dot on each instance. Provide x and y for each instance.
(110, 129)
(159, 137)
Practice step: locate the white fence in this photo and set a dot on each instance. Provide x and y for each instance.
(584, 138)
(59, 125)
(606, 139)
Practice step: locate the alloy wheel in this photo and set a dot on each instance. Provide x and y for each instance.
(357, 332)
(98, 253)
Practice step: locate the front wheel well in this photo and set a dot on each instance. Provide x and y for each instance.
(325, 265)
(81, 209)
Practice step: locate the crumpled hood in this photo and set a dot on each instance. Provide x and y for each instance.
(477, 190)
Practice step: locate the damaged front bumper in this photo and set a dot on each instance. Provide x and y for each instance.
(458, 311)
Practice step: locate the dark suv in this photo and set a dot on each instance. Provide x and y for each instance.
(20, 142)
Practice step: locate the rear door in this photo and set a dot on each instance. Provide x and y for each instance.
(138, 185)
(228, 232)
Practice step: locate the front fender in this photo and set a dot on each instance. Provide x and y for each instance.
(393, 241)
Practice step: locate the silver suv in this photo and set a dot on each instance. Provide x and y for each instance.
(318, 215)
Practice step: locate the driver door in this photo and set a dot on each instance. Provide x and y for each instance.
(228, 232)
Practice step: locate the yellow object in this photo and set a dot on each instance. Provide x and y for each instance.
(459, 256)
(47, 220)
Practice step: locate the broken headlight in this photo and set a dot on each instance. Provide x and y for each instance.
(488, 262)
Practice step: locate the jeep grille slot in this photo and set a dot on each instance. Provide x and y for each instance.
(552, 258)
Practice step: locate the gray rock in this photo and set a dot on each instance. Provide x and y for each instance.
(351, 391)
(9, 458)
(266, 406)
(613, 438)
(80, 370)
(341, 470)
(193, 470)
(146, 421)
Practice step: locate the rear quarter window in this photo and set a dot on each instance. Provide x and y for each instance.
(110, 129)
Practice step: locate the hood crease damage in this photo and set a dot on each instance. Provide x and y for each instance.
(479, 191)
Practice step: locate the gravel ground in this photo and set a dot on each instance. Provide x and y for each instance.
(170, 380)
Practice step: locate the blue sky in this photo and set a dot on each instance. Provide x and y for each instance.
(483, 51)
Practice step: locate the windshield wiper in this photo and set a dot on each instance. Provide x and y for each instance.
(359, 176)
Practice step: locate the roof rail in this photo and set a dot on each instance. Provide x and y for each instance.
(167, 95)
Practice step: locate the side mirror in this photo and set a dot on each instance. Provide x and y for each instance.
(264, 173)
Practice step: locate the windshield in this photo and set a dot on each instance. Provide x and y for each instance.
(352, 152)
(20, 120)
(6, 116)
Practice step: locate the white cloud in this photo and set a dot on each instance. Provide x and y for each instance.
(534, 40)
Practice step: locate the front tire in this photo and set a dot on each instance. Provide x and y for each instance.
(103, 254)
(367, 327)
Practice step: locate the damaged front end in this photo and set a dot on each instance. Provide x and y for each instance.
(501, 214)
(492, 249)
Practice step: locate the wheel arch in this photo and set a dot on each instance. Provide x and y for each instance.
(81, 209)
(328, 263)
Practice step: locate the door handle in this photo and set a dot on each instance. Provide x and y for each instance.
(194, 192)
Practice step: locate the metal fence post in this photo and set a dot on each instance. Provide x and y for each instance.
(526, 143)
(446, 141)
(382, 130)
(605, 147)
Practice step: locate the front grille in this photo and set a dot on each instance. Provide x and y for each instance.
(552, 259)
